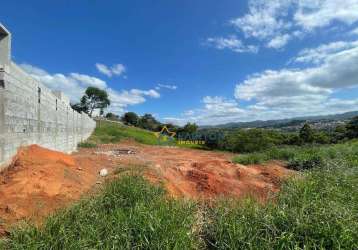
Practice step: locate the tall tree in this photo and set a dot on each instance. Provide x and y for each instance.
(190, 128)
(352, 128)
(307, 133)
(147, 121)
(94, 98)
(112, 116)
(79, 107)
(130, 118)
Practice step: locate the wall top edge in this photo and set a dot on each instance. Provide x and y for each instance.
(13, 68)
(4, 30)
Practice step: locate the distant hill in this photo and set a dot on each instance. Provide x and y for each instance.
(290, 123)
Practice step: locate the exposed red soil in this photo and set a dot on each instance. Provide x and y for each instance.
(39, 181)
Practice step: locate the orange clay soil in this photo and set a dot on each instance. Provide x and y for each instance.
(39, 180)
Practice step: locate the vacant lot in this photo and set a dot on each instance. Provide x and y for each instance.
(317, 208)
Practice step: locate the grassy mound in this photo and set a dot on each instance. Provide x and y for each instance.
(107, 132)
(319, 211)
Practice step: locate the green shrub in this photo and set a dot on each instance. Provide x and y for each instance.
(249, 159)
(304, 157)
(87, 145)
(305, 161)
(251, 140)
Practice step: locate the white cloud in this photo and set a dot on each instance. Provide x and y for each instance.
(276, 22)
(317, 55)
(89, 80)
(289, 92)
(225, 111)
(189, 113)
(116, 69)
(166, 86)
(265, 19)
(175, 120)
(152, 93)
(231, 43)
(314, 14)
(74, 85)
(279, 41)
(337, 71)
(104, 69)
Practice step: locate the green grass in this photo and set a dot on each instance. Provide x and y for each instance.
(302, 158)
(129, 214)
(108, 132)
(87, 144)
(317, 211)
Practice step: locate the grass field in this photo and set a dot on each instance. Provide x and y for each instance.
(318, 209)
(304, 157)
(108, 132)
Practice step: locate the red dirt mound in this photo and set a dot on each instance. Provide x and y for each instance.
(201, 174)
(40, 181)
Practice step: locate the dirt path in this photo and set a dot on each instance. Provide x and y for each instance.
(40, 181)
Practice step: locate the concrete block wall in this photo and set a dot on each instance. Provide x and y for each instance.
(31, 113)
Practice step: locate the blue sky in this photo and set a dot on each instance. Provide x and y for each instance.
(203, 61)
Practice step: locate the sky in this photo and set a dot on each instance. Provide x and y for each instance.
(204, 61)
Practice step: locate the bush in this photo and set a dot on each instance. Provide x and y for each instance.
(305, 160)
(304, 157)
(250, 159)
(352, 128)
(284, 153)
(252, 140)
(87, 145)
(130, 118)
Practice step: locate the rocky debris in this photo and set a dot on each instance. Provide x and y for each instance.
(103, 172)
(116, 152)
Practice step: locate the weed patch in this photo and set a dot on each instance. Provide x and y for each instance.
(130, 214)
(87, 145)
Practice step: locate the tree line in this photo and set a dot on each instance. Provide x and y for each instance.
(149, 122)
(98, 99)
(245, 140)
(235, 140)
(255, 139)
